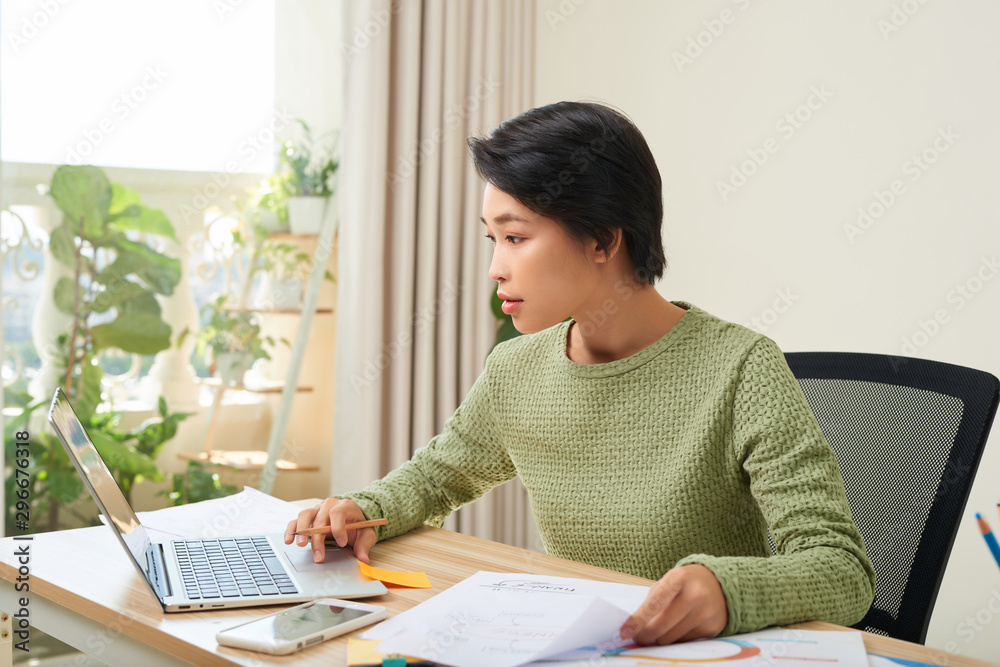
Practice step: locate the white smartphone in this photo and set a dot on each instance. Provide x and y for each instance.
(298, 627)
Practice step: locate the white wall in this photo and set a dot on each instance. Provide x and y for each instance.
(309, 80)
(884, 85)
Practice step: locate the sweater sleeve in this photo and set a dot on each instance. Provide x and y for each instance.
(457, 466)
(820, 570)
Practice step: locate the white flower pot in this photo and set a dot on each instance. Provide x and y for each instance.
(278, 294)
(285, 294)
(230, 367)
(306, 214)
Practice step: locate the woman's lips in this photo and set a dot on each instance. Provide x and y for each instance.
(510, 305)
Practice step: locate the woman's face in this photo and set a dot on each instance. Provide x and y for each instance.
(544, 275)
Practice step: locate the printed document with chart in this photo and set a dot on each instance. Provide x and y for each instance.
(501, 620)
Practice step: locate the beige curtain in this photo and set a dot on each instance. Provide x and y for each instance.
(414, 323)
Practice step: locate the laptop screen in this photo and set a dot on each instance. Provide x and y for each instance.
(98, 478)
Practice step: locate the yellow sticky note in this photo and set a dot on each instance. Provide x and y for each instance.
(411, 579)
(362, 653)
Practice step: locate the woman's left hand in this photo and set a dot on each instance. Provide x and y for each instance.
(686, 603)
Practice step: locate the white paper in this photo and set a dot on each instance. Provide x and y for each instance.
(249, 512)
(875, 660)
(773, 646)
(501, 620)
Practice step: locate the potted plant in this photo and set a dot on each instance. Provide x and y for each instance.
(285, 267)
(306, 170)
(196, 484)
(233, 339)
(265, 207)
(110, 297)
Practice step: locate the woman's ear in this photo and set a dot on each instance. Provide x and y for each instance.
(614, 245)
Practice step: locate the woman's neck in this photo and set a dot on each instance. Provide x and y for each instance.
(621, 324)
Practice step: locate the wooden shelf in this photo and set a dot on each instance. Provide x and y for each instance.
(267, 388)
(288, 236)
(279, 311)
(247, 461)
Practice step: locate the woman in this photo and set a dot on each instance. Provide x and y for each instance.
(636, 407)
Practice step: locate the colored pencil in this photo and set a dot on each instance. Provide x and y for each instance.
(991, 541)
(319, 530)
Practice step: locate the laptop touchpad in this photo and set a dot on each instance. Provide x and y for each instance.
(301, 559)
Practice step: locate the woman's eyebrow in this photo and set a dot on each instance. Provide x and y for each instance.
(505, 217)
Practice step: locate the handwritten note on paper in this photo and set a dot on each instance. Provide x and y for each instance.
(501, 620)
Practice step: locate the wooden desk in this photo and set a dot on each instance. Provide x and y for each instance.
(85, 592)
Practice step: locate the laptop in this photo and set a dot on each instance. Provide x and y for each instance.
(218, 573)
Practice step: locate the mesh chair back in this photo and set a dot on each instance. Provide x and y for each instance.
(908, 434)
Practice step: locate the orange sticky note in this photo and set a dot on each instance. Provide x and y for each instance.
(411, 579)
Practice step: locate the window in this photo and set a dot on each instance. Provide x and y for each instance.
(180, 84)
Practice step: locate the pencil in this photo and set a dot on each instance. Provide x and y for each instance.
(319, 530)
(991, 541)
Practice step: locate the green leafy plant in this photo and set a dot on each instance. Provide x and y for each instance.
(52, 480)
(307, 166)
(283, 261)
(111, 301)
(225, 330)
(271, 196)
(195, 484)
(111, 297)
(141, 447)
(54, 483)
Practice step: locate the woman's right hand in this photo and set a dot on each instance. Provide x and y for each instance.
(335, 513)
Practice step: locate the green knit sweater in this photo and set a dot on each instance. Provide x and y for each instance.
(699, 443)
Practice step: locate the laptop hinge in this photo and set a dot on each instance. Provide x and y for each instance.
(157, 570)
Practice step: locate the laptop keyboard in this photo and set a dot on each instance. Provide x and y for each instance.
(228, 568)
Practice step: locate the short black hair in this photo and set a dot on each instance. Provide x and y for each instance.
(586, 166)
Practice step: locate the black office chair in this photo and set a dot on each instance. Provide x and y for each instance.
(908, 434)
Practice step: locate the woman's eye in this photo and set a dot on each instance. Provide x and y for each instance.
(492, 240)
(513, 240)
